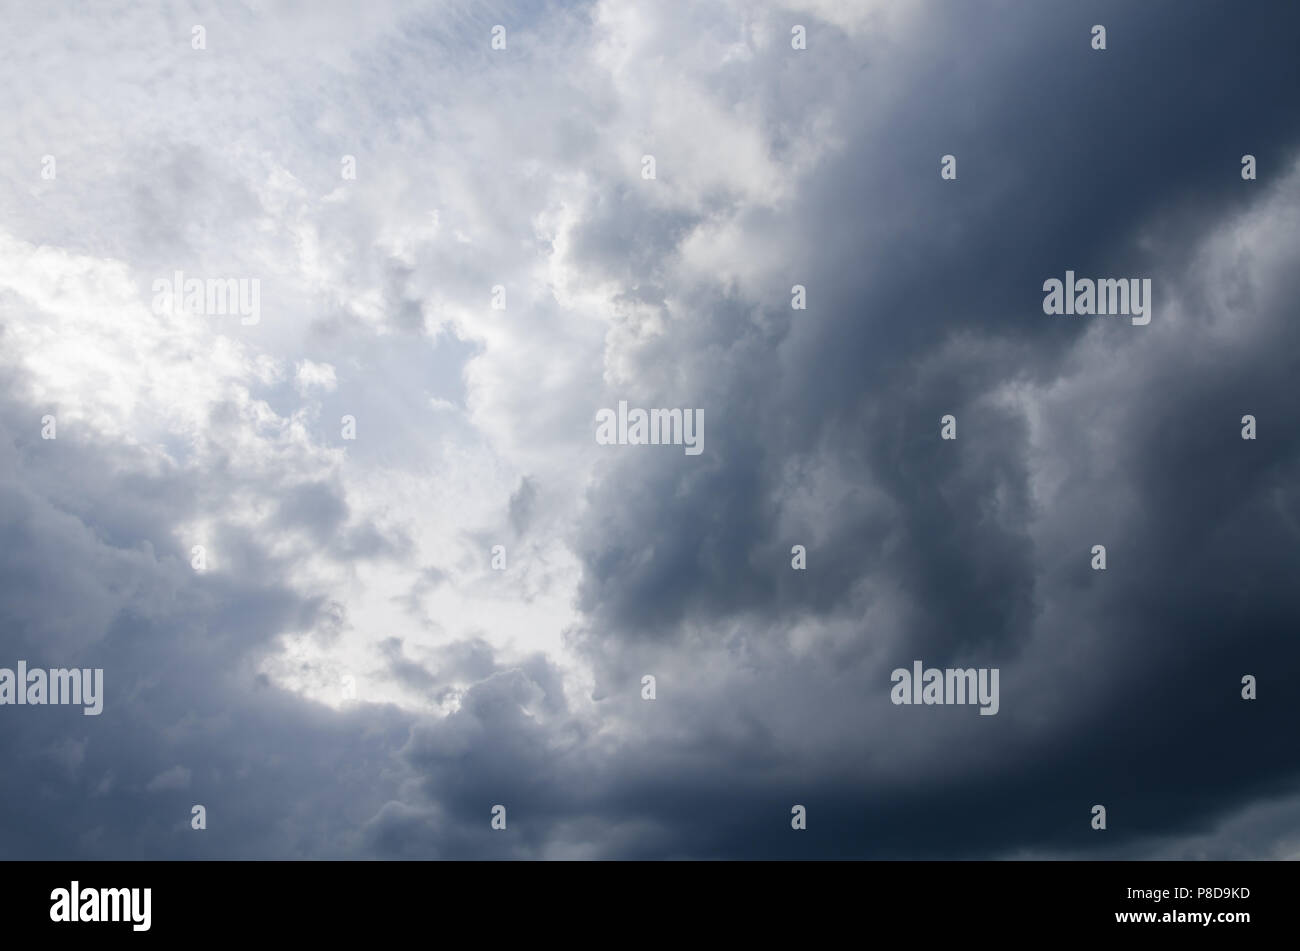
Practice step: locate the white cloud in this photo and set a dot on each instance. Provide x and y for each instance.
(315, 376)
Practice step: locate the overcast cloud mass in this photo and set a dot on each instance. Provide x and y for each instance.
(350, 677)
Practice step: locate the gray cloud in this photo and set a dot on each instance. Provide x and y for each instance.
(366, 562)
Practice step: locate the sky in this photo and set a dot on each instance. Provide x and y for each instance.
(357, 568)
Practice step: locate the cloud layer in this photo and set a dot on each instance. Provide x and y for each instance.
(392, 633)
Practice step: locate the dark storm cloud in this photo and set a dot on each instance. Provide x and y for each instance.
(925, 297)
(509, 743)
(102, 583)
(821, 428)
(890, 286)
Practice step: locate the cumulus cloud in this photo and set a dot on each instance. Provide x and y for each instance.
(315, 376)
(363, 570)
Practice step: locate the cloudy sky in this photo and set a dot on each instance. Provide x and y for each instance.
(349, 676)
